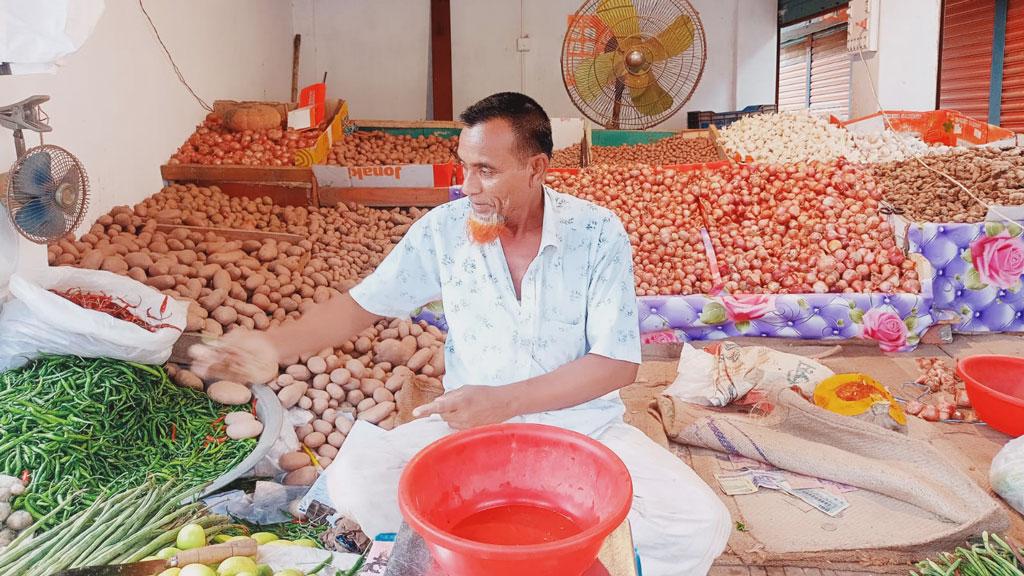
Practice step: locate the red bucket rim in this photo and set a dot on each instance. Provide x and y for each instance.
(971, 381)
(482, 549)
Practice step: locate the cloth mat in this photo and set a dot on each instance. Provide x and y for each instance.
(910, 502)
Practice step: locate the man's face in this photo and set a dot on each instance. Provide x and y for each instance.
(498, 177)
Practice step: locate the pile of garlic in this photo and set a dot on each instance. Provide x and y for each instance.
(888, 146)
(791, 136)
(798, 136)
(11, 522)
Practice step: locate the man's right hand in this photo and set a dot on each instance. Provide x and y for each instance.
(244, 356)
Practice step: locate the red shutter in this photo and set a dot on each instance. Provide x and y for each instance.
(793, 76)
(1012, 115)
(830, 73)
(966, 62)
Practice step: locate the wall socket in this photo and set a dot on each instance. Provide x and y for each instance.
(523, 44)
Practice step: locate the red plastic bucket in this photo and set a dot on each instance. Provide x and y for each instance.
(485, 468)
(995, 386)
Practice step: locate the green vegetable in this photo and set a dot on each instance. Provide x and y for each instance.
(114, 529)
(86, 426)
(990, 556)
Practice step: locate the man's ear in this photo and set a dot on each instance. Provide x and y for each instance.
(538, 164)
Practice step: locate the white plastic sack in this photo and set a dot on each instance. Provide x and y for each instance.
(720, 379)
(37, 321)
(1007, 473)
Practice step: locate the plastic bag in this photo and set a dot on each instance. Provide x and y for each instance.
(1007, 473)
(37, 321)
(726, 372)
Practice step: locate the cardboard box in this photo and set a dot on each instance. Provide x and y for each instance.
(391, 185)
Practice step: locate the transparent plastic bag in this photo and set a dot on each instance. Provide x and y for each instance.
(1007, 473)
(36, 321)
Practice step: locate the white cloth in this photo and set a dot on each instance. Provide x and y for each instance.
(578, 297)
(679, 525)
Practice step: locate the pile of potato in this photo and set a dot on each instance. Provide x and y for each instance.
(357, 381)
(376, 147)
(193, 205)
(240, 424)
(667, 151)
(251, 283)
(995, 176)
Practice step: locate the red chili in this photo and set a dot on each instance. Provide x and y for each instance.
(26, 478)
(174, 432)
(116, 307)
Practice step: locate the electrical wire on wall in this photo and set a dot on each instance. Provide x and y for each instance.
(919, 157)
(522, 55)
(177, 71)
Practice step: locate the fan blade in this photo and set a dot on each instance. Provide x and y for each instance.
(637, 83)
(33, 178)
(620, 16)
(36, 218)
(593, 74)
(653, 100)
(672, 41)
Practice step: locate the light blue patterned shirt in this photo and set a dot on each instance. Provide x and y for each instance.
(578, 297)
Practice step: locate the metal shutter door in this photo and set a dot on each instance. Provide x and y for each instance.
(830, 73)
(1012, 115)
(966, 61)
(793, 76)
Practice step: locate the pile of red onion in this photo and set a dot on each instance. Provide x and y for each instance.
(781, 229)
(661, 217)
(802, 228)
(213, 143)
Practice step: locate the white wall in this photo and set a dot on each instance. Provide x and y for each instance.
(393, 82)
(905, 67)
(117, 104)
(376, 53)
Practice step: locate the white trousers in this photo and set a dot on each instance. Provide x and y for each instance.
(679, 525)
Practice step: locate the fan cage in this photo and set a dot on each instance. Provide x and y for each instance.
(63, 167)
(587, 37)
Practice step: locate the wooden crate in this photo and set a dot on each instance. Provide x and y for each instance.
(285, 185)
(233, 233)
(331, 193)
(594, 138)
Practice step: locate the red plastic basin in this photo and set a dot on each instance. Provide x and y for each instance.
(515, 464)
(995, 386)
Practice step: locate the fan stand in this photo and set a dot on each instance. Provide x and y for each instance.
(24, 115)
(620, 89)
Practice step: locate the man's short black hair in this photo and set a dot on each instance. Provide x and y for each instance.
(531, 124)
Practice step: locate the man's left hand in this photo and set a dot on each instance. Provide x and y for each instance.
(469, 406)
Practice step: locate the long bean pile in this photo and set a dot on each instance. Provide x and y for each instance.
(118, 528)
(88, 426)
(991, 556)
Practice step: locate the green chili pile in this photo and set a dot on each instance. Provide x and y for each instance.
(85, 427)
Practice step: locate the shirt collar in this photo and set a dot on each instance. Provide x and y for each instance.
(549, 235)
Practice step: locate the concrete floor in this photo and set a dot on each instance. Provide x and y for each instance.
(977, 443)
